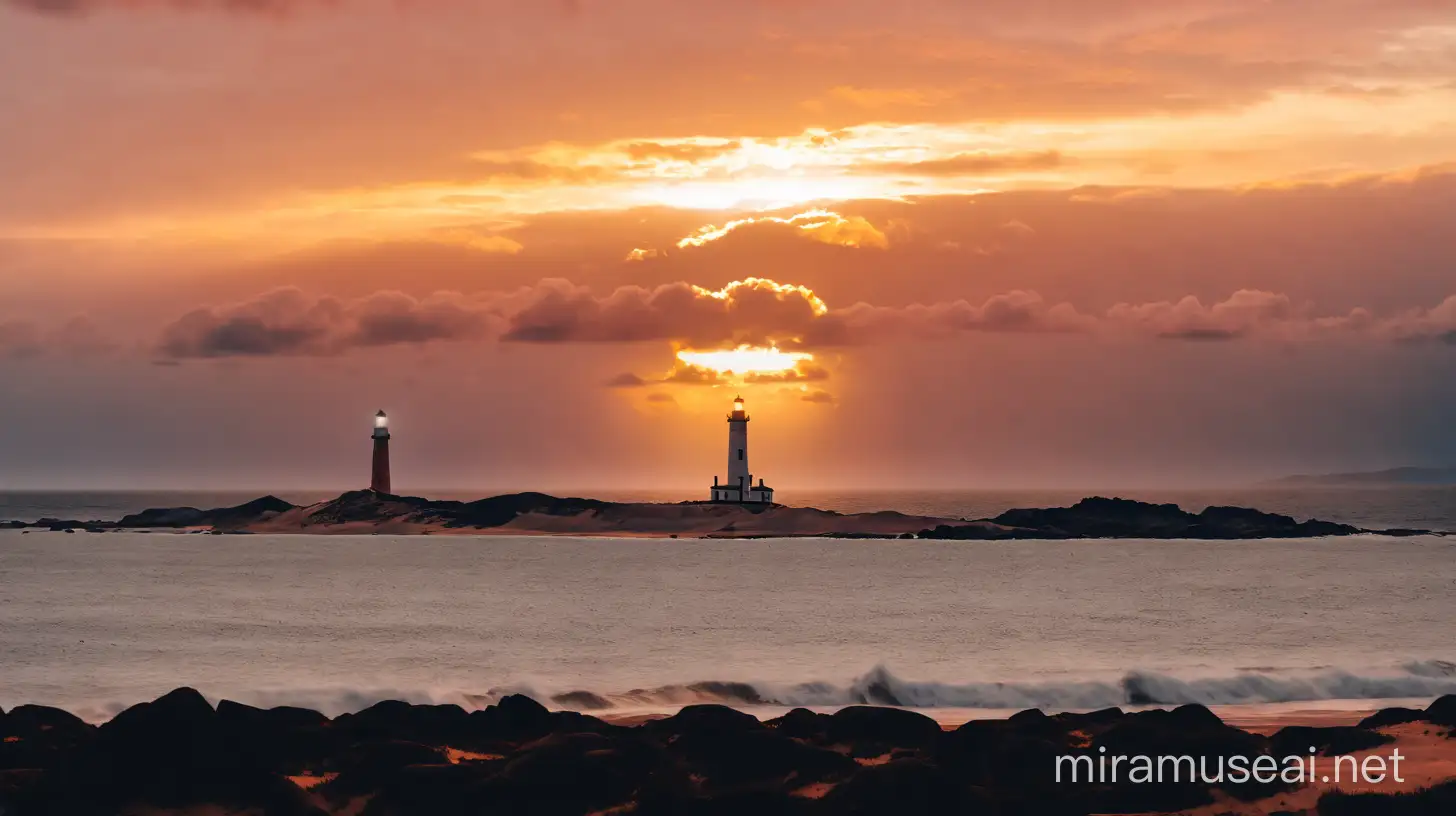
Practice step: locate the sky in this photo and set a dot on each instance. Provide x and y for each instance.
(1010, 243)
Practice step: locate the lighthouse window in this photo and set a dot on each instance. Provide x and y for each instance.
(740, 454)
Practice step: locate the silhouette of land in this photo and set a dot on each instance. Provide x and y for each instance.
(1392, 476)
(366, 512)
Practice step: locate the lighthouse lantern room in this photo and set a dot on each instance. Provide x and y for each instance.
(739, 487)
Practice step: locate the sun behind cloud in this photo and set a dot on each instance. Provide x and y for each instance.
(745, 359)
(824, 226)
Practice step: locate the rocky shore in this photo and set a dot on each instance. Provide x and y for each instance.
(180, 754)
(365, 512)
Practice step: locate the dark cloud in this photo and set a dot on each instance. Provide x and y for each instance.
(1017, 311)
(1195, 333)
(288, 322)
(820, 397)
(1244, 312)
(683, 374)
(803, 372)
(752, 311)
(626, 380)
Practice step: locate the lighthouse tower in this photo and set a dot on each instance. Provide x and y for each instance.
(379, 481)
(739, 488)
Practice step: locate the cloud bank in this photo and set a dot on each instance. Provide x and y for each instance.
(289, 322)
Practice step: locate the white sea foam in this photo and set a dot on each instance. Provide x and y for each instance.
(879, 686)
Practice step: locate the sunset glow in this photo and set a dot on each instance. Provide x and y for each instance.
(745, 360)
(816, 305)
(271, 210)
(824, 226)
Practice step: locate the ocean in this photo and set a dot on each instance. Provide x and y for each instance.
(95, 622)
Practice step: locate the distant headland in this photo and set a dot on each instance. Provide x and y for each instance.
(364, 512)
(1372, 478)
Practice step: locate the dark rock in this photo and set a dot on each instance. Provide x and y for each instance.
(515, 718)
(164, 517)
(564, 774)
(1442, 711)
(903, 787)
(655, 802)
(1194, 716)
(1092, 720)
(729, 759)
(393, 719)
(889, 727)
(574, 722)
(1188, 731)
(169, 753)
(708, 719)
(246, 513)
(1436, 801)
(425, 789)
(252, 511)
(1011, 753)
(1330, 741)
(179, 720)
(498, 510)
(38, 736)
(282, 739)
(801, 723)
(361, 768)
(1392, 716)
(1029, 717)
(1099, 517)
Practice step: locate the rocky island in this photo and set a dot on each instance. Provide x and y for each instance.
(369, 512)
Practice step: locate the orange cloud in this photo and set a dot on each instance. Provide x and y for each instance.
(824, 226)
(970, 164)
(478, 241)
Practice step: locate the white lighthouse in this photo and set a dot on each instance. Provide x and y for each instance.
(739, 488)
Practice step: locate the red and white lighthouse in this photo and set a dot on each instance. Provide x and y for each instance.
(379, 481)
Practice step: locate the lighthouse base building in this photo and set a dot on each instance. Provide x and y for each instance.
(739, 488)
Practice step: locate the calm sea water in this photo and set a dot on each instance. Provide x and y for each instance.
(93, 622)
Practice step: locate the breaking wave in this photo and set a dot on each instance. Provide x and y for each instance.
(879, 686)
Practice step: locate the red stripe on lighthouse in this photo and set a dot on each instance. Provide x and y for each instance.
(379, 482)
